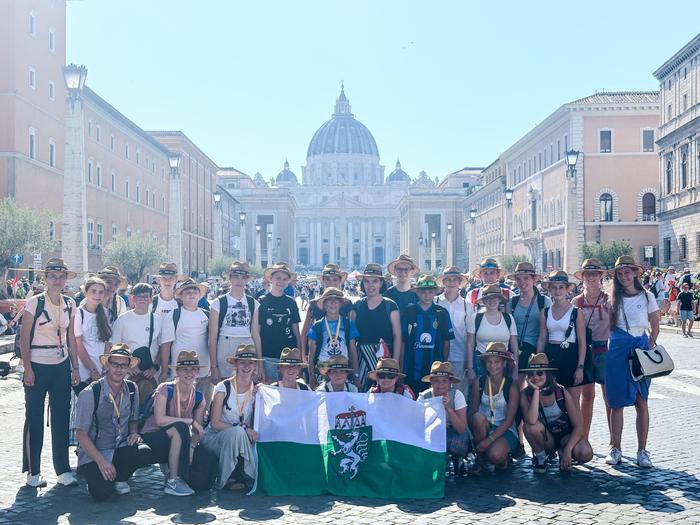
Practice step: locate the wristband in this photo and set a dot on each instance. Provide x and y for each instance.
(579, 367)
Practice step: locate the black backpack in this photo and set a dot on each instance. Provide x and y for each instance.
(572, 323)
(223, 307)
(480, 316)
(41, 310)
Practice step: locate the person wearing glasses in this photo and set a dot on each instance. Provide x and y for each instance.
(386, 376)
(551, 418)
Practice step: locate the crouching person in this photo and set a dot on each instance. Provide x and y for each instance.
(552, 418)
(110, 448)
(177, 407)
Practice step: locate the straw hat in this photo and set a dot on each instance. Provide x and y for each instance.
(112, 272)
(426, 282)
(331, 270)
(339, 362)
(441, 369)
(406, 259)
(188, 284)
(278, 267)
(186, 358)
(496, 349)
(240, 268)
(452, 271)
(120, 350)
(59, 265)
(169, 269)
(387, 365)
(291, 357)
(557, 276)
(489, 262)
(590, 265)
(524, 268)
(538, 362)
(244, 353)
(372, 270)
(334, 293)
(627, 261)
(491, 290)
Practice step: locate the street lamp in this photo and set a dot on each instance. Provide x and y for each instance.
(269, 248)
(433, 249)
(74, 77)
(472, 215)
(217, 200)
(174, 161)
(242, 251)
(509, 197)
(241, 216)
(571, 160)
(448, 258)
(258, 258)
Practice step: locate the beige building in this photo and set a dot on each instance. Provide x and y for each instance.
(679, 156)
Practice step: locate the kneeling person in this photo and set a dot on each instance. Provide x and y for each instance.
(290, 366)
(336, 371)
(386, 376)
(106, 426)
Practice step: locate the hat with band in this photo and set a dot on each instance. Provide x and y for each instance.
(590, 265)
(403, 259)
(557, 276)
(372, 270)
(524, 268)
(426, 282)
(339, 362)
(538, 362)
(333, 270)
(120, 350)
(387, 365)
(441, 369)
(244, 353)
(331, 293)
(239, 268)
(488, 263)
(112, 272)
(189, 284)
(291, 357)
(452, 271)
(497, 349)
(626, 261)
(168, 269)
(56, 264)
(278, 267)
(491, 290)
(187, 359)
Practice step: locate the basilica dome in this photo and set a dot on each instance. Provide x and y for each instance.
(342, 134)
(286, 176)
(398, 175)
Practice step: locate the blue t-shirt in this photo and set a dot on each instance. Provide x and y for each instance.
(424, 332)
(529, 333)
(325, 350)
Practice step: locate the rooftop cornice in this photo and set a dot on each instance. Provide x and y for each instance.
(678, 58)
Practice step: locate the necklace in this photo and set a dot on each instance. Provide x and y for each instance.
(334, 338)
(492, 415)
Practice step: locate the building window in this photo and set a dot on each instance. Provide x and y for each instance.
(98, 174)
(112, 143)
(684, 168)
(126, 151)
(89, 128)
(90, 234)
(32, 143)
(97, 134)
(89, 171)
(648, 140)
(52, 90)
(668, 112)
(605, 138)
(32, 23)
(697, 245)
(114, 181)
(667, 249)
(162, 202)
(52, 231)
(98, 227)
(52, 39)
(126, 188)
(114, 231)
(138, 157)
(669, 174)
(648, 207)
(52, 153)
(606, 207)
(32, 78)
(682, 248)
(685, 101)
(138, 192)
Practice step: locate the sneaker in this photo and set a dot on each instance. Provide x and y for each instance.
(643, 459)
(67, 479)
(177, 487)
(121, 487)
(690, 334)
(539, 467)
(35, 480)
(614, 457)
(552, 456)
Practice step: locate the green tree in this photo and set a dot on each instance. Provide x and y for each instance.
(606, 253)
(24, 231)
(134, 254)
(509, 262)
(219, 265)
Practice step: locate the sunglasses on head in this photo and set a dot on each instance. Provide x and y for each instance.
(386, 375)
(538, 373)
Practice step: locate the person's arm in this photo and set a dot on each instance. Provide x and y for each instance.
(25, 329)
(530, 408)
(105, 466)
(216, 411)
(86, 359)
(297, 336)
(72, 349)
(159, 411)
(574, 413)
(457, 418)
(654, 321)
(544, 336)
(303, 337)
(397, 353)
(352, 352)
(215, 375)
(515, 350)
(581, 341)
(198, 425)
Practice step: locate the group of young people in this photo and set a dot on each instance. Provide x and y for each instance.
(167, 381)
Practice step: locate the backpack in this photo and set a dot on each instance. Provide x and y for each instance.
(178, 312)
(317, 327)
(223, 306)
(572, 323)
(480, 316)
(41, 310)
(516, 299)
(97, 390)
(146, 409)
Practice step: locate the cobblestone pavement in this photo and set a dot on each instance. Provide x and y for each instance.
(595, 493)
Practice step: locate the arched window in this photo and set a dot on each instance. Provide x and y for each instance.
(684, 169)
(648, 207)
(669, 175)
(606, 207)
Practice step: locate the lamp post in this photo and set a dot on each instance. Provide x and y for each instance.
(279, 255)
(175, 212)
(74, 248)
(449, 245)
(242, 254)
(571, 226)
(507, 222)
(433, 249)
(472, 237)
(421, 241)
(571, 161)
(258, 248)
(269, 249)
(218, 249)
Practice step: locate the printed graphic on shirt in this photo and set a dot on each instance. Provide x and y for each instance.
(237, 315)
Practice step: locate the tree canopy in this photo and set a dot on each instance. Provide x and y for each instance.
(132, 255)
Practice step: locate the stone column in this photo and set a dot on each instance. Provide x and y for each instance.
(258, 248)
(388, 255)
(472, 262)
(349, 247)
(571, 257)
(363, 241)
(450, 241)
(319, 244)
(331, 243)
(218, 237)
(175, 218)
(243, 240)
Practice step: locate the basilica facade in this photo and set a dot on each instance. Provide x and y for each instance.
(344, 209)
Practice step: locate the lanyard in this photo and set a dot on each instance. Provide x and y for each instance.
(492, 416)
(240, 407)
(57, 316)
(527, 317)
(115, 405)
(178, 408)
(334, 338)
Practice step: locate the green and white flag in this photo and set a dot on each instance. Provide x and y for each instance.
(370, 445)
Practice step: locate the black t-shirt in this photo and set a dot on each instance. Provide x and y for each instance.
(686, 300)
(402, 299)
(276, 316)
(375, 324)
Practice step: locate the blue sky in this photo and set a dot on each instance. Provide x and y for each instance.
(440, 85)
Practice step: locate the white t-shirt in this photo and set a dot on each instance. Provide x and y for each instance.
(460, 400)
(133, 329)
(164, 307)
(491, 333)
(237, 317)
(85, 327)
(191, 334)
(556, 328)
(231, 415)
(460, 312)
(637, 309)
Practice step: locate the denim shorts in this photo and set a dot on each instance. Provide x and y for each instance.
(687, 315)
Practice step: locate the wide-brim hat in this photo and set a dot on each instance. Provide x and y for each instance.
(372, 270)
(331, 292)
(488, 263)
(426, 282)
(120, 350)
(497, 349)
(557, 277)
(538, 362)
(626, 261)
(169, 269)
(240, 268)
(452, 271)
(56, 264)
(524, 268)
(491, 290)
(187, 359)
(188, 284)
(403, 258)
(441, 369)
(291, 357)
(278, 267)
(590, 265)
(388, 365)
(112, 272)
(244, 353)
(339, 362)
(331, 269)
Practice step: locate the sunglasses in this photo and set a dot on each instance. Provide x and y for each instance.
(538, 373)
(386, 375)
(118, 366)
